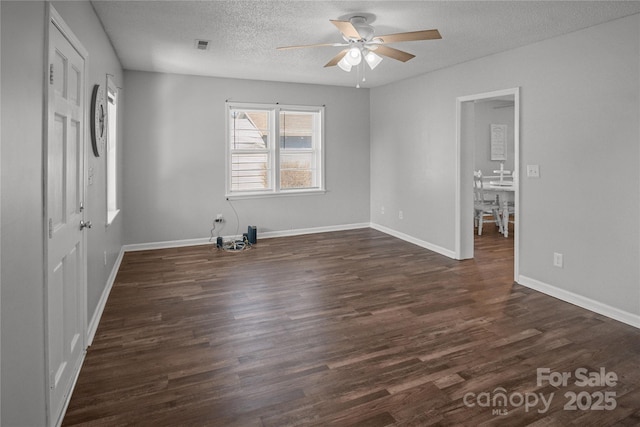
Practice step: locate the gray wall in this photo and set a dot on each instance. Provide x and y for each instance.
(580, 97)
(175, 158)
(22, 335)
(23, 35)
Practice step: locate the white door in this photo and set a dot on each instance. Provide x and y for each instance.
(66, 269)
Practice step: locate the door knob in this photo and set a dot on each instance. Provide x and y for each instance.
(85, 224)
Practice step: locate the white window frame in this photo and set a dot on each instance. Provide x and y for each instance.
(273, 150)
(111, 151)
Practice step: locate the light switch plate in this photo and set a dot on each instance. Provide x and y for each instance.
(533, 171)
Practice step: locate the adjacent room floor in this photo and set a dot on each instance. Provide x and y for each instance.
(348, 328)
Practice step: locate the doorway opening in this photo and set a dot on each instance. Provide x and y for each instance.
(482, 153)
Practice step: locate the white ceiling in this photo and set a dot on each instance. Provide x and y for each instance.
(160, 35)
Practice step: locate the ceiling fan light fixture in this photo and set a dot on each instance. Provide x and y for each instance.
(361, 42)
(344, 64)
(373, 59)
(354, 56)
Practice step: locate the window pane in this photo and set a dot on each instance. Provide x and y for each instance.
(111, 154)
(250, 172)
(249, 130)
(296, 130)
(297, 170)
(112, 149)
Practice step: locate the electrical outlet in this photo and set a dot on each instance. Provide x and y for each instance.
(400, 215)
(382, 210)
(557, 259)
(219, 218)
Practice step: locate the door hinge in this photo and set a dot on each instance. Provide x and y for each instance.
(50, 228)
(50, 74)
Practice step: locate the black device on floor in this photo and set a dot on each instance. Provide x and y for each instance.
(253, 234)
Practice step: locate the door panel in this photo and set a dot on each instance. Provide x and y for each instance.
(75, 78)
(59, 66)
(56, 172)
(72, 169)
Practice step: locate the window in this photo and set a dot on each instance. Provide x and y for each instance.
(274, 149)
(111, 151)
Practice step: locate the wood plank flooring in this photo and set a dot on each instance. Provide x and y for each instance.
(353, 328)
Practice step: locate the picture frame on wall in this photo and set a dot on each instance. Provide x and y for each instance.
(498, 142)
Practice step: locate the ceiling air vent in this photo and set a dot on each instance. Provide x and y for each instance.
(202, 44)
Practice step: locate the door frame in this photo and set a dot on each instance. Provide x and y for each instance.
(464, 154)
(55, 19)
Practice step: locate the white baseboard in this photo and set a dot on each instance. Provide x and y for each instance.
(313, 230)
(415, 241)
(581, 301)
(95, 319)
(167, 244)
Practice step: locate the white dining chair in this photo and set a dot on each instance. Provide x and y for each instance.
(483, 207)
(507, 214)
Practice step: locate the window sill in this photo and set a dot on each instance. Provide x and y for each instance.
(111, 216)
(237, 196)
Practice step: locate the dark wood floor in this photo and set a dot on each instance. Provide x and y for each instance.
(350, 328)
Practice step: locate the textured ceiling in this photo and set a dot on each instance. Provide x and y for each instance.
(160, 35)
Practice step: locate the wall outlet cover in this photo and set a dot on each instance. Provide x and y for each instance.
(558, 259)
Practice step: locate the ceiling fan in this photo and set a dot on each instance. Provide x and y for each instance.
(360, 42)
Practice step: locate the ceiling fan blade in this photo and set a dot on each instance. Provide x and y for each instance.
(311, 45)
(347, 29)
(337, 58)
(410, 36)
(394, 53)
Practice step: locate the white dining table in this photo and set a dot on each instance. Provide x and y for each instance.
(502, 190)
